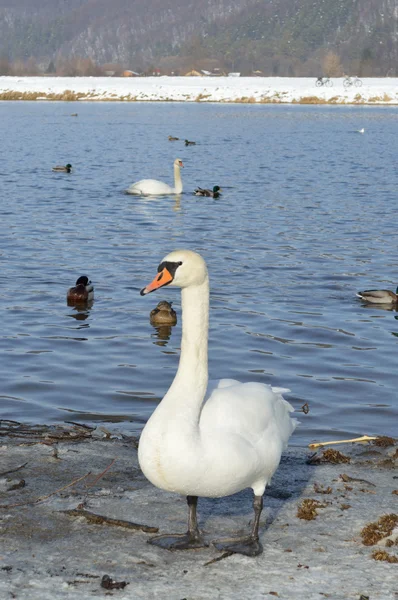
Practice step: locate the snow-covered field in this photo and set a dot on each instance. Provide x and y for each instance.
(203, 89)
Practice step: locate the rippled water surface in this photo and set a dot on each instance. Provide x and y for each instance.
(307, 218)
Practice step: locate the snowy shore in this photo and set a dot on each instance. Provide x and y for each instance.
(50, 549)
(199, 89)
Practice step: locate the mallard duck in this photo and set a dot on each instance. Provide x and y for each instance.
(82, 292)
(210, 439)
(188, 143)
(60, 169)
(379, 296)
(153, 187)
(214, 193)
(163, 314)
(173, 139)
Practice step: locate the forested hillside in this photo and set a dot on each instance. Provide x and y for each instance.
(275, 37)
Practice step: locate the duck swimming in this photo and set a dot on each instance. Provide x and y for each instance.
(81, 293)
(210, 439)
(214, 193)
(60, 169)
(379, 296)
(173, 139)
(163, 314)
(153, 187)
(188, 143)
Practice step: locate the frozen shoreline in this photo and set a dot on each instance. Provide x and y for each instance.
(47, 553)
(274, 90)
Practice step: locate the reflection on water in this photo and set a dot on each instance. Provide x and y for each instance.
(162, 335)
(81, 313)
(301, 226)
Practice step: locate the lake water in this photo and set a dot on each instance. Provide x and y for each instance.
(307, 218)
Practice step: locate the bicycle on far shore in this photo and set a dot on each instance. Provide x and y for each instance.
(351, 81)
(326, 81)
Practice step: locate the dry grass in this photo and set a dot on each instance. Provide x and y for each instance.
(67, 95)
(307, 510)
(312, 100)
(374, 532)
(201, 97)
(246, 100)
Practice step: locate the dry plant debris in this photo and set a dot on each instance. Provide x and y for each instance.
(320, 489)
(307, 510)
(328, 456)
(383, 555)
(384, 441)
(344, 477)
(109, 584)
(374, 532)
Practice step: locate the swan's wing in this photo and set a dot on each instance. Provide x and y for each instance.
(150, 187)
(252, 410)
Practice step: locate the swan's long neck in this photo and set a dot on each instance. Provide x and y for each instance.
(177, 179)
(186, 394)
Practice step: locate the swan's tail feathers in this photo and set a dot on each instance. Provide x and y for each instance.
(283, 409)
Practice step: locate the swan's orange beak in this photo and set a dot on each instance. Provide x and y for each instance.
(161, 279)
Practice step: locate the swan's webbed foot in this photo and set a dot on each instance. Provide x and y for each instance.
(248, 545)
(191, 540)
(179, 541)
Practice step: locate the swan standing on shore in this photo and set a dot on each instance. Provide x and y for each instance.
(213, 439)
(153, 187)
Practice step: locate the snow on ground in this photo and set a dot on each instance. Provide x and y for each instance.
(203, 89)
(46, 553)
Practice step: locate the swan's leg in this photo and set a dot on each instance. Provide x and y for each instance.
(249, 545)
(190, 540)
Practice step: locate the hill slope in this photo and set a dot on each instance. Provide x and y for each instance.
(280, 37)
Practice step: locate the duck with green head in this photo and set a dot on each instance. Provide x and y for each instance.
(214, 193)
(81, 293)
(60, 169)
(379, 296)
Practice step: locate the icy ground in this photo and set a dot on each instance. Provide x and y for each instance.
(47, 554)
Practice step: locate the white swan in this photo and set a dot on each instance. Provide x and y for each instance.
(210, 440)
(153, 187)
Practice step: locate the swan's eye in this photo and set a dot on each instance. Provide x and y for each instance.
(179, 263)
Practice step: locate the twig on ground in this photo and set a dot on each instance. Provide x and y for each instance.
(90, 484)
(214, 560)
(364, 438)
(101, 520)
(13, 470)
(42, 498)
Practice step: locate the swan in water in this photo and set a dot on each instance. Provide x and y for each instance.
(379, 296)
(210, 439)
(153, 187)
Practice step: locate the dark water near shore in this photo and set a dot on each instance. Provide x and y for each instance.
(307, 218)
